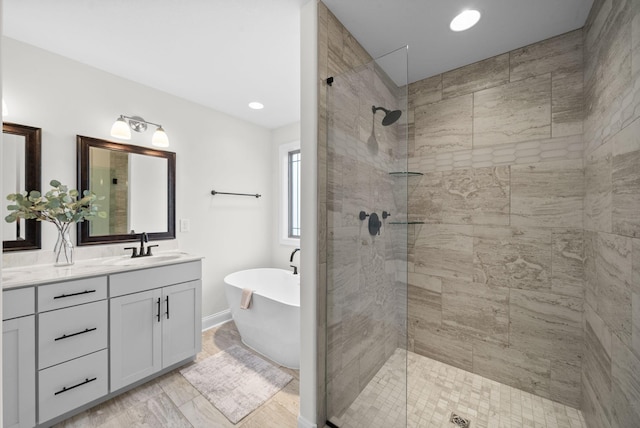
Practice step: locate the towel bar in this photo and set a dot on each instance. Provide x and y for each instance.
(256, 195)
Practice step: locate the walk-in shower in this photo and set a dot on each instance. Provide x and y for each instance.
(517, 203)
(465, 304)
(367, 246)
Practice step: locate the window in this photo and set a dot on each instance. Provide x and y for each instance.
(290, 162)
(294, 194)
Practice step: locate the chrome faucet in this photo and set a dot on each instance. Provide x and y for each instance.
(295, 268)
(135, 253)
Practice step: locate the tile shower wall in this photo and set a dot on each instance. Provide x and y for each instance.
(496, 278)
(366, 301)
(611, 365)
(338, 52)
(365, 275)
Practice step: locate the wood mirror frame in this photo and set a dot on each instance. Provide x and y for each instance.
(32, 156)
(84, 144)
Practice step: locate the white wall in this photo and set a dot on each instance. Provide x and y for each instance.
(214, 151)
(309, 221)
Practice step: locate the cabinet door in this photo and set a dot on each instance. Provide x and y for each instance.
(182, 326)
(19, 372)
(136, 333)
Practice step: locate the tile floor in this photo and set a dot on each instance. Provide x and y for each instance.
(172, 402)
(437, 389)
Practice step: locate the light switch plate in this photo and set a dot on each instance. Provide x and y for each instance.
(185, 225)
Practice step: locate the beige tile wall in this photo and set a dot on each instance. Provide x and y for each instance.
(611, 368)
(361, 276)
(337, 52)
(496, 272)
(362, 279)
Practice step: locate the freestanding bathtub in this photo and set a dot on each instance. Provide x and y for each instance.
(271, 326)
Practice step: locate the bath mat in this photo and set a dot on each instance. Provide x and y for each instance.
(236, 381)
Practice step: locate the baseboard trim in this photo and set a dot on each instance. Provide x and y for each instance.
(303, 423)
(215, 320)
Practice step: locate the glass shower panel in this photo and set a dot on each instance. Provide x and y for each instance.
(366, 359)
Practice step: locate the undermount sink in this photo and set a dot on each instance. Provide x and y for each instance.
(149, 260)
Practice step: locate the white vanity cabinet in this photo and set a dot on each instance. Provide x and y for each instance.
(19, 358)
(95, 333)
(155, 320)
(72, 345)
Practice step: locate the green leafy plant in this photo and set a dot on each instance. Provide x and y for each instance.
(60, 206)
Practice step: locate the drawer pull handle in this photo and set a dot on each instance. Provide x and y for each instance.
(62, 296)
(167, 299)
(65, 389)
(158, 309)
(66, 336)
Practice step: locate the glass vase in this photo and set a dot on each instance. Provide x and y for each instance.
(63, 249)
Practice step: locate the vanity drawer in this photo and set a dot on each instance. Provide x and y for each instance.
(71, 332)
(18, 303)
(70, 293)
(148, 279)
(72, 384)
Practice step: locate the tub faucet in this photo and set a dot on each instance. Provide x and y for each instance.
(295, 268)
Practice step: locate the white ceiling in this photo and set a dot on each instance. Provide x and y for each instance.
(382, 26)
(221, 54)
(225, 53)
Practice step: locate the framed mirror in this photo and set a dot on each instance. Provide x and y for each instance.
(138, 185)
(20, 173)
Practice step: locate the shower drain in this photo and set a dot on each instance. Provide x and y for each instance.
(460, 421)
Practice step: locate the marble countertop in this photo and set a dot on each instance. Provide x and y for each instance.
(42, 274)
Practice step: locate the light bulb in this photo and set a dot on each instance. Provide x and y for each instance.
(160, 138)
(120, 129)
(5, 110)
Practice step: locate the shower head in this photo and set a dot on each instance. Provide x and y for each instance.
(390, 117)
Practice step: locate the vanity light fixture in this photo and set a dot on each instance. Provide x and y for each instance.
(122, 129)
(5, 110)
(465, 20)
(160, 138)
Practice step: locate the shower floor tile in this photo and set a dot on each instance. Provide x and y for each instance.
(435, 390)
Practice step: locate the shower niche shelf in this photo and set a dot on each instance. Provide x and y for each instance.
(405, 174)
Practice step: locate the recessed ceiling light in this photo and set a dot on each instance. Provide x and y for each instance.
(256, 105)
(465, 20)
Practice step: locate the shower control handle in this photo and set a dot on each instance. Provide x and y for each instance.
(363, 215)
(374, 224)
(385, 214)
